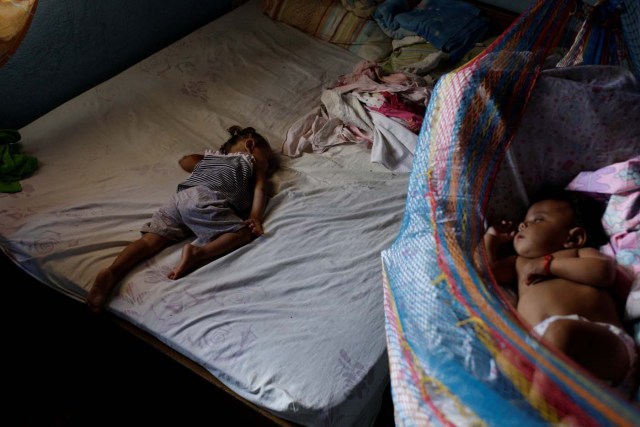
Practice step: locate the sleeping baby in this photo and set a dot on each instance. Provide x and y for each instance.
(564, 285)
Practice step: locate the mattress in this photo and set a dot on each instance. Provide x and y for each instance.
(293, 322)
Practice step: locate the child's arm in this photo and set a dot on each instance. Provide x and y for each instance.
(189, 162)
(503, 268)
(585, 265)
(259, 201)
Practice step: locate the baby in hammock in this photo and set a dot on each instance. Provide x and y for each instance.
(564, 286)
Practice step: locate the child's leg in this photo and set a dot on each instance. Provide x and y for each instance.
(194, 257)
(592, 346)
(137, 251)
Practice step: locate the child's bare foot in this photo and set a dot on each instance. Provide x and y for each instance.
(189, 261)
(100, 290)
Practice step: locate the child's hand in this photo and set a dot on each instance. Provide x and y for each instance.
(501, 232)
(534, 271)
(255, 226)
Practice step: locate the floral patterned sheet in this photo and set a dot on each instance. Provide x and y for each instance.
(620, 182)
(578, 119)
(294, 321)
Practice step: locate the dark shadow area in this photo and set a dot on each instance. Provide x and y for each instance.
(68, 367)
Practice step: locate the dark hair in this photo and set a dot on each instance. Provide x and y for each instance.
(587, 211)
(238, 134)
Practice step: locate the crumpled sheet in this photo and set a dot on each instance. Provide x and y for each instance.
(382, 111)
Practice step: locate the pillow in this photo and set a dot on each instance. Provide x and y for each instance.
(329, 20)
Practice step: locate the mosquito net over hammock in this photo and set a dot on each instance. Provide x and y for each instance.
(459, 355)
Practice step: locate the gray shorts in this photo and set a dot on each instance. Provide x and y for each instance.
(195, 211)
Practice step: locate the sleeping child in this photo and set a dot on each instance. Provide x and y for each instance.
(564, 284)
(221, 203)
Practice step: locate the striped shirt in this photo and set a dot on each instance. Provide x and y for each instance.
(230, 175)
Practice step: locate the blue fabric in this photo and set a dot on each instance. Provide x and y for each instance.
(386, 13)
(452, 26)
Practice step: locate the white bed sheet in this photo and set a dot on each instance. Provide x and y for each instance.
(294, 321)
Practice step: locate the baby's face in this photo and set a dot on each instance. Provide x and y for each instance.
(545, 229)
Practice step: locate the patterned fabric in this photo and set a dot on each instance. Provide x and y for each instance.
(229, 175)
(621, 221)
(361, 8)
(329, 20)
(458, 353)
(578, 118)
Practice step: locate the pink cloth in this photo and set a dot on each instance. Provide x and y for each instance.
(621, 219)
(382, 111)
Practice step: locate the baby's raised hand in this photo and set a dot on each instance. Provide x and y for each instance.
(502, 231)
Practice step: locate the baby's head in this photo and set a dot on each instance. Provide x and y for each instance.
(250, 141)
(559, 219)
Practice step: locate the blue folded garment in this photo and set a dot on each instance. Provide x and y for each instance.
(450, 25)
(386, 13)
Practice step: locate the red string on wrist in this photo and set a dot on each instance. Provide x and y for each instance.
(547, 264)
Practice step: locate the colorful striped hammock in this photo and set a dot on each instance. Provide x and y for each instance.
(458, 355)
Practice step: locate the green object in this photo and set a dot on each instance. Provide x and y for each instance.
(9, 136)
(14, 164)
